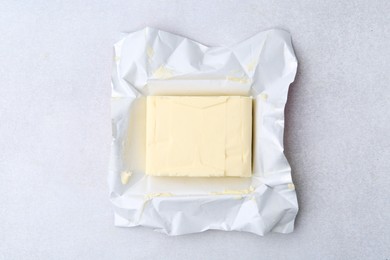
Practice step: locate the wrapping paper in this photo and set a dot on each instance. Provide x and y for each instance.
(155, 62)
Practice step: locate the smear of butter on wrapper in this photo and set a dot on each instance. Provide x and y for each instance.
(125, 176)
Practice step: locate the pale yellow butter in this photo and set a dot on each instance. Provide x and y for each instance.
(199, 136)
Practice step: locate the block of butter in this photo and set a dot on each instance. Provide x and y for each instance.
(198, 136)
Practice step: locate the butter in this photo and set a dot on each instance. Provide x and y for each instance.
(199, 136)
(125, 176)
(250, 190)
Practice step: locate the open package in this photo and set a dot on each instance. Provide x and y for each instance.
(182, 115)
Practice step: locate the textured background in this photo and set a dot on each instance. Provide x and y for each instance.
(55, 62)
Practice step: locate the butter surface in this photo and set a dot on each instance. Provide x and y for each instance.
(199, 136)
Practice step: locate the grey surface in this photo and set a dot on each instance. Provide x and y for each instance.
(55, 61)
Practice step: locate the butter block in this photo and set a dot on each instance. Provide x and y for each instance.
(198, 136)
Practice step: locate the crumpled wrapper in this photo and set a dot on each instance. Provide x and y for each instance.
(155, 62)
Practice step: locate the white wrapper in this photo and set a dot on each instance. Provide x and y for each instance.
(154, 62)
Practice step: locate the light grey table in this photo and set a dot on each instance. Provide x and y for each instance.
(55, 62)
